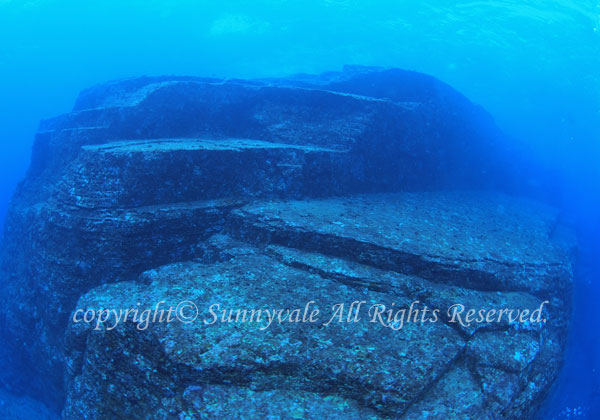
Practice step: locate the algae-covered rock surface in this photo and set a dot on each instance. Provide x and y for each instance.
(342, 246)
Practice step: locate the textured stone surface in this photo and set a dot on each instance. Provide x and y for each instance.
(206, 169)
(402, 129)
(421, 370)
(179, 187)
(377, 367)
(483, 241)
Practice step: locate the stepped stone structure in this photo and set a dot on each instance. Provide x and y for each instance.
(378, 186)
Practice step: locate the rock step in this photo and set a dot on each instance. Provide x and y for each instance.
(482, 241)
(140, 172)
(113, 245)
(82, 249)
(433, 295)
(274, 113)
(72, 226)
(381, 369)
(396, 141)
(365, 369)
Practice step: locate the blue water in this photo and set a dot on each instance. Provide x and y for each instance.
(534, 65)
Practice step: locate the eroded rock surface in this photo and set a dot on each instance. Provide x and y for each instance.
(271, 194)
(373, 370)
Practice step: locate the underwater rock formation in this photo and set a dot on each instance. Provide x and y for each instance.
(271, 194)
